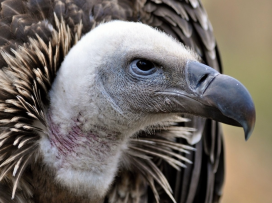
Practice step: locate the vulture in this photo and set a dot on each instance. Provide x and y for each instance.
(113, 101)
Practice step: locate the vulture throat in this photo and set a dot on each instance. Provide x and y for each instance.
(118, 80)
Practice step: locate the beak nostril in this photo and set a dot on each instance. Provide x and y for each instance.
(202, 79)
(199, 76)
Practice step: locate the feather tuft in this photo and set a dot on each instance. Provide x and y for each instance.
(24, 85)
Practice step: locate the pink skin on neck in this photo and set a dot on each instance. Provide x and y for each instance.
(68, 142)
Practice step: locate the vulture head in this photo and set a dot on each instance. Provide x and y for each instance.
(119, 79)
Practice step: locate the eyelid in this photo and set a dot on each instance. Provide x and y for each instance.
(137, 71)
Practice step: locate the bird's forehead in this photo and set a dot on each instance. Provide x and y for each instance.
(131, 37)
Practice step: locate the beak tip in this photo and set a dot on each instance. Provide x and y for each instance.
(249, 127)
(247, 135)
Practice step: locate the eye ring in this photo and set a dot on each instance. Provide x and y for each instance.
(143, 67)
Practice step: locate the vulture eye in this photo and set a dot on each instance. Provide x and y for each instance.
(145, 65)
(142, 67)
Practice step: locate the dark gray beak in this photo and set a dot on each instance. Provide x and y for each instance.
(221, 97)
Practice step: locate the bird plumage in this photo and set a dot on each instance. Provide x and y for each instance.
(35, 38)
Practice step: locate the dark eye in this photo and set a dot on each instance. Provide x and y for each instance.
(142, 67)
(145, 65)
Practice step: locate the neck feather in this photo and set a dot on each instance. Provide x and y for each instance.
(44, 180)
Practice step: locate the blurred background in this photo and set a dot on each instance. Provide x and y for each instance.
(243, 29)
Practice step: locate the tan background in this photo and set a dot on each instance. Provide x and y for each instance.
(243, 29)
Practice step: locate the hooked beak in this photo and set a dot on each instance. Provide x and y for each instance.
(220, 97)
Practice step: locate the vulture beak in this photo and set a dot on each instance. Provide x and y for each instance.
(220, 97)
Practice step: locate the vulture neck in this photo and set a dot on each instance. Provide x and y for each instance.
(84, 143)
